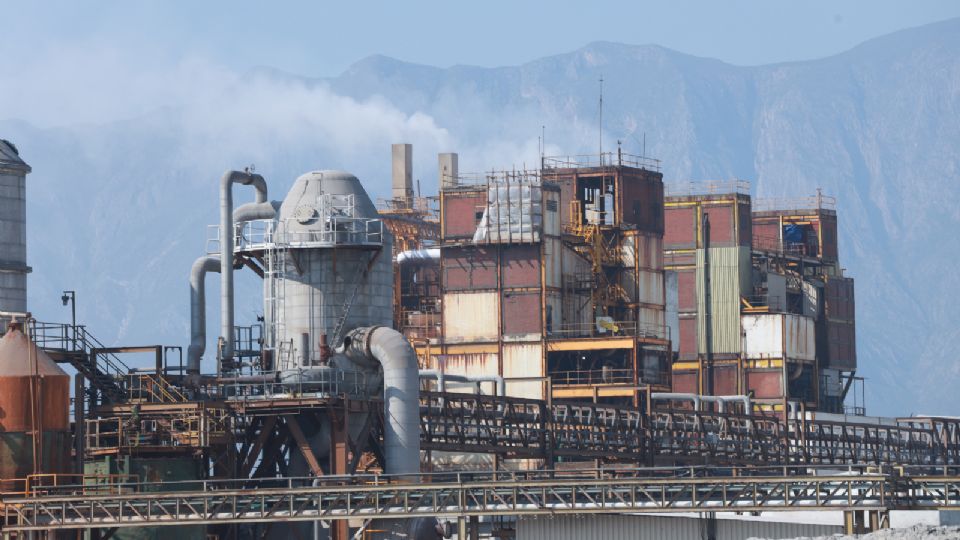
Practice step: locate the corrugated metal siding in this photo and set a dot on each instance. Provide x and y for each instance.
(721, 224)
(521, 313)
(552, 260)
(680, 231)
(466, 364)
(551, 214)
(776, 335)
(469, 268)
(613, 527)
(672, 313)
(520, 266)
(470, 315)
(729, 277)
(650, 287)
(554, 315)
(523, 360)
(460, 213)
(649, 252)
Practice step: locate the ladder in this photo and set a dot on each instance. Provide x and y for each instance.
(275, 274)
(345, 311)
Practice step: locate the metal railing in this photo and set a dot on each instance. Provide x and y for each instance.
(259, 235)
(815, 202)
(190, 431)
(297, 383)
(608, 330)
(105, 370)
(605, 159)
(709, 187)
(592, 376)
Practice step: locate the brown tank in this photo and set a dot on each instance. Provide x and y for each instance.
(34, 397)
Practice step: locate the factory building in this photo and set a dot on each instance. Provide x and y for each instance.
(760, 304)
(550, 279)
(610, 348)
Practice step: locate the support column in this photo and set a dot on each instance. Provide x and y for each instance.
(339, 437)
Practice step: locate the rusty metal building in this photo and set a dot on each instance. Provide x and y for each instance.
(762, 307)
(551, 279)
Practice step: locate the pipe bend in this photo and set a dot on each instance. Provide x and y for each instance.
(401, 392)
(226, 245)
(198, 309)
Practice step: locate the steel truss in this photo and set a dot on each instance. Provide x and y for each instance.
(498, 494)
(529, 428)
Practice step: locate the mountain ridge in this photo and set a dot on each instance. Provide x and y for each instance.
(118, 210)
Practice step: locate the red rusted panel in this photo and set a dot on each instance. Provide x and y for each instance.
(688, 336)
(842, 345)
(687, 290)
(680, 228)
(642, 201)
(725, 380)
(469, 268)
(840, 304)
(521, 313)
(766, 234)
(721, 225)
(462, 213)
(520, 266)
(828, 237)
(765, 384)
(685, 382)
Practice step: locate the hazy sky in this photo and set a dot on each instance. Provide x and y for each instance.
(323, 38)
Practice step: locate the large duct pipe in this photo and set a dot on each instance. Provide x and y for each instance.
(698, 399)
(198, 310)
(442, 378)
(401, 392)
(226, 247)
(421, 256)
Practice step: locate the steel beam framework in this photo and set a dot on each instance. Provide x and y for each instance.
(276, 500)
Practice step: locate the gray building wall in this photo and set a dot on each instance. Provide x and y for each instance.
(614, 527)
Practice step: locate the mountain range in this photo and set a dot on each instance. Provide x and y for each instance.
(118, 209)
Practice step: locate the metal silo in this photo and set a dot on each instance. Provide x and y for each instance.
(34, 398)
(13, 229)
(329, 271)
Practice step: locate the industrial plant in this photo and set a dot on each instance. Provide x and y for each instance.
(566, 351)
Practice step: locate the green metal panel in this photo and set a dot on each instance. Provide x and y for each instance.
(730, 279)
(16, 456)
(171, 471)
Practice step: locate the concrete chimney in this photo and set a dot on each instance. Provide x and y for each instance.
(449, 169)
(403, 171)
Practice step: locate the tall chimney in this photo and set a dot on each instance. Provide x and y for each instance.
(449, 169)
(403, 172)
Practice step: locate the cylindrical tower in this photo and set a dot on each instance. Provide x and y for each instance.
(13, 230)
(34, 412)
(335, 268)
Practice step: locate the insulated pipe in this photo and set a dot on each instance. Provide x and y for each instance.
(401, 392)
(226, 247)
(198, 310)
(419, 256)
(698, 399)
(442, 377)
(674, 396)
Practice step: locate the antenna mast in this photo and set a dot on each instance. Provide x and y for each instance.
(601, 120)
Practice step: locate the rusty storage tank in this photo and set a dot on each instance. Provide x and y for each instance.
(34, 398)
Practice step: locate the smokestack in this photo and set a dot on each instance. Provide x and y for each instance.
(403, 172)
(449, 169)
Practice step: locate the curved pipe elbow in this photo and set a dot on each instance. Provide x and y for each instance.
(198, 312)
(401, 392)
(226, 244)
